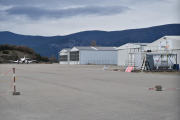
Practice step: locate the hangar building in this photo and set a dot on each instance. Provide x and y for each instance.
(166, 44)
(124, 50)
(64, 56)
(93, 55)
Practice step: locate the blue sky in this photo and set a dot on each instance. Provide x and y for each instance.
(60, 17)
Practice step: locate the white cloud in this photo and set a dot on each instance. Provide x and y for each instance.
(37, 13)
(47, 21)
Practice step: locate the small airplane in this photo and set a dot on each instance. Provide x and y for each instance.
(23, 60)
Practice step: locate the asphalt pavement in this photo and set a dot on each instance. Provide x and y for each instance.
(85, 92)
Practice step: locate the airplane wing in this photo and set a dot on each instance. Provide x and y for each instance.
(13, 61)
(25, 58)
(31, 61)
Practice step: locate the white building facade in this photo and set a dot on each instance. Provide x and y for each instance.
(93, 55)
(64, 56)
(124, 50)
(166, 44)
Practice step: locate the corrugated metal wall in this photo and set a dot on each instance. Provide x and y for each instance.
(123, 55)
(98, 57)
(154, 46)
(176, 44)
(138, 61)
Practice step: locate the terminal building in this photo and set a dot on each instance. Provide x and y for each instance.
(89, 55)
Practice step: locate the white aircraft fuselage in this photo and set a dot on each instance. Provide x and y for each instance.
(23, 60)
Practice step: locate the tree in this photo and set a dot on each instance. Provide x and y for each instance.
(53, 59)
(38, 57)
(45, 59)
(14, 55)
(93, 43)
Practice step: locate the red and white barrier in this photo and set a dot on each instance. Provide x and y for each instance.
(9, 88)
(5, 73)
(11, 82)
(14, 79)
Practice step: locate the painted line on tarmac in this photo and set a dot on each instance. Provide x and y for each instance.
(7, 75)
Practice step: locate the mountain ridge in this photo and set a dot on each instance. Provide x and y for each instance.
(47, 46)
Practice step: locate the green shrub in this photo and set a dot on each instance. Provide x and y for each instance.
(14, 55)
(5, 52)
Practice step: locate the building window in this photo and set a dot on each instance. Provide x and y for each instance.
(74, 56)
(63, 58)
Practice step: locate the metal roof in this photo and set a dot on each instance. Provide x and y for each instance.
(94, 48)
(84, 48)
(106, 48)
(128, 45)
(141, 44)
(172, 37)
(68, 49)
(65, 49)
(132, 45)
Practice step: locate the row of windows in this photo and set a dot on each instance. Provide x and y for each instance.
(74, 56)
(63, 58)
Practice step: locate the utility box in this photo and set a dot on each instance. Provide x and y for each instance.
(158, 88)
(176, 66)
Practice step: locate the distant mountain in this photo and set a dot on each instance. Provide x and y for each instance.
(53, 47)
(47, 46)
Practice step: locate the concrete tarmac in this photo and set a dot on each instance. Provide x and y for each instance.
(84, 92)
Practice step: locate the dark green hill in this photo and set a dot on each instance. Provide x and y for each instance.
(13, 52)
